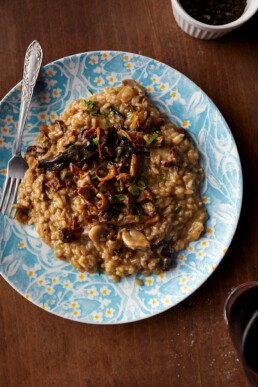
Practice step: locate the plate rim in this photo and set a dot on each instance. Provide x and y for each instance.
(239, 209)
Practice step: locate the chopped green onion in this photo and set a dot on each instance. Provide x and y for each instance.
(120, 197)
(117, 189)
(159, 178)
(90, 91)
(115, 252)
(69, 147)
(108, 124)
(142, 225)
(93, 175)
(45, 140)
(135, 190)
(95, 141)
(178, 209)
(132, 117)
(112, 113)
(148, 142)
(89, 104)
(187, 162)
(114, 107)
(67, 175)
(94, 112)
(132, 109)
(133, 128)
(101, 189)
(124, 135)
(137, 218)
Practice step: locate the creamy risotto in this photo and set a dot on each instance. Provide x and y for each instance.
(113, 186)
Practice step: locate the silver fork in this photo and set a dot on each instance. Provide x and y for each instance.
(17, 166)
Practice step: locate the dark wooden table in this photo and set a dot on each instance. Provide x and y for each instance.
(188, 345)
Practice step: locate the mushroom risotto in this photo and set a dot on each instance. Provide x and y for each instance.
(113, 185)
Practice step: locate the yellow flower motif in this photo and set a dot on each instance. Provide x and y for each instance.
(204, 243)
(81, 276)
(154, 302)
(205, 199)
(104, 55)
(30, 273)
(74, 304)
(27, 296)
(91, 292)
(43, 306)
(126, 57)
(42, 116)
(52, 302)
(54, 280)
(128, 65)
(20, 87)
(185, 287)
(55, 92)
(190, 248)
(224, 251)
(50, 73)
(154, 79)
(4, 171)
(185, 123)
(21, 245)
(66, 285)
(173, 94)
(98, 80)
(104, 292)
(109, 311)
(149, 89)
(210, 231)
(182, 258)
(162, 87)
(199, 254)
(167, 300)
(213, 267)
(28, 126)
(111, 79)
(52, 116)
(9, 119)
(96, 316)
(5, 130)
(49, 289)
(1, 142)
(149, 281)
(161, 276)
(6, 106)
(75, 313)
(16, 125)
(183, 279)
(41, 282)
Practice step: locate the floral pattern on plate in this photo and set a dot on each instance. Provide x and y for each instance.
(29, 265)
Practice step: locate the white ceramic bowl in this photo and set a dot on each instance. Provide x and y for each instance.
(206, 31)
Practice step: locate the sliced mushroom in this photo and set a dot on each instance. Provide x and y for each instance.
(96, 233)
(102, 203)
(135, 165)
(134, 85)
(134, 239)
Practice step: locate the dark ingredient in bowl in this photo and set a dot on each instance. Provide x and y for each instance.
(214, 12)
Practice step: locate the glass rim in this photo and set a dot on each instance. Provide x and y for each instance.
(229, 297)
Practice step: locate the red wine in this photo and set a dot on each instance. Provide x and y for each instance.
(244, 308)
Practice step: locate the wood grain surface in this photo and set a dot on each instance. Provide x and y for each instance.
(188, 345)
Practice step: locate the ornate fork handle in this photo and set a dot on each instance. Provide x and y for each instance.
(32, 64)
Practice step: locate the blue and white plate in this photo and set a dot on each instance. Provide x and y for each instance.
(29, 265)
